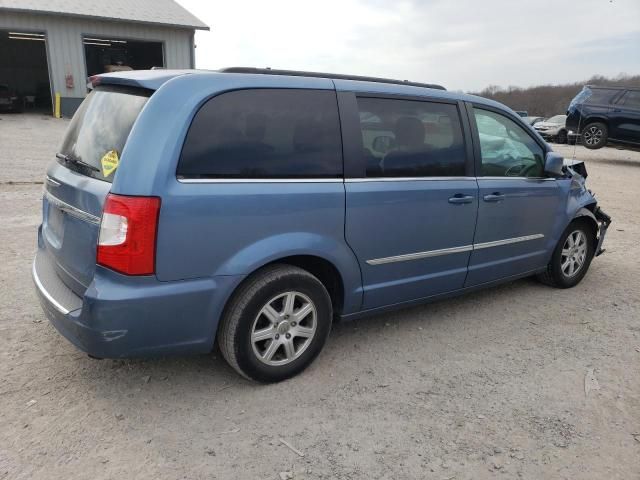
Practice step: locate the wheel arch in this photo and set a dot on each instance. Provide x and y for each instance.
(586, 214)
(323, 270)
(331, 261)
(594, 119)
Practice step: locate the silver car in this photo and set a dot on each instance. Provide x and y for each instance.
(553, 129)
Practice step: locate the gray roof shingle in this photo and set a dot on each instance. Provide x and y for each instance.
(158, 12)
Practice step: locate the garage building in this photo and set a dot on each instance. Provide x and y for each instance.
(50, 47)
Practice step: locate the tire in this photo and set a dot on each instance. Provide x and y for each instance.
(561, 137)
(559, 273)
(595, 135)
(266, 304)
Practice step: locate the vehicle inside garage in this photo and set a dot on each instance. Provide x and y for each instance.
(106, 54)
(24, 72)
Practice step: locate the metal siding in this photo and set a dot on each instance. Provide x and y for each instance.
(156, 12)
(66, 52)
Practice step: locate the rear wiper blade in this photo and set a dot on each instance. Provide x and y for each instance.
(69, 159)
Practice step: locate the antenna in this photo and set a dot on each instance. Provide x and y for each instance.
(578, 133)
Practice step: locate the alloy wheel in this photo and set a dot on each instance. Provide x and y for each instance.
(592, 135)
(284, 328)
(574, 253)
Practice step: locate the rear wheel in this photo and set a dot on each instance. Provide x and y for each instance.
(572, 256)
(276, 324)
(595, 135)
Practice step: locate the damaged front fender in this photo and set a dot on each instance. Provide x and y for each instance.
(604, 221)
(577, 171)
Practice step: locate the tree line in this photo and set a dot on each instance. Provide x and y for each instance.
(549, 100)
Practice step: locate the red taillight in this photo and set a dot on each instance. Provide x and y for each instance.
(127, 242)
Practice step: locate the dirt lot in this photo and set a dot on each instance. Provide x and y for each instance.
(491, 385)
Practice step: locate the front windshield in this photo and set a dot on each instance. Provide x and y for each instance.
(558, 119)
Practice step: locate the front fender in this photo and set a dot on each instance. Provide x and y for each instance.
(269, 250)
(580, 201)
(577, 202)
(584, 212)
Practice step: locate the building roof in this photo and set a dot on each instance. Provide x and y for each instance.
(156, 12)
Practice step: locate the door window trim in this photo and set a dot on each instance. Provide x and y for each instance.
(408, 179)
(260, 180)
(470, 106)
(354, 164)
(620, 102)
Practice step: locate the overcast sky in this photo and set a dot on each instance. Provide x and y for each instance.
(462, 44)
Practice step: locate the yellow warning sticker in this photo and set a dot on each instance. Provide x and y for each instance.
(110, 162)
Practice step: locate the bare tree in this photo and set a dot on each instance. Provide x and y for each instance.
(548, 100)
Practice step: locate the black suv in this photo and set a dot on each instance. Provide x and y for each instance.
(604, 115)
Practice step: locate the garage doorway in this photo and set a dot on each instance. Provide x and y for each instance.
(108, 54)
(24, 72)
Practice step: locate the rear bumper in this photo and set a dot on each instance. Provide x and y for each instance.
(120, 316)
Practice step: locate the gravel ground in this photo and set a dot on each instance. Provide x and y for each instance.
(520, 381)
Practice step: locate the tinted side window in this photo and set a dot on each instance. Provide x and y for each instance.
(507, 149)
(601, 95)
(631, 99)
(266, 133)
(406, 138)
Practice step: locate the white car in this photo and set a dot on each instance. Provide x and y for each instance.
(553, 129)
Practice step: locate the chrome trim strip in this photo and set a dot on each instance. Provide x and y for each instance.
(419, 255)
(507, 241)
(318, 180)
(71, 210)
(57, 305)
(532, 179)
(51, 181)
(448, 251)
(260, 180)
(404, 179)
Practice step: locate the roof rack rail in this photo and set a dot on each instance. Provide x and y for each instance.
(337, 76)
(614, 87)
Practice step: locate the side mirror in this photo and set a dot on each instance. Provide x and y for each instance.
(553, 164)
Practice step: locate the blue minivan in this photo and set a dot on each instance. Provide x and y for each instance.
(256, 206)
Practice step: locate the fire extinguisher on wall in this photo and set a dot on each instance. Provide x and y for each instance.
(68, 78)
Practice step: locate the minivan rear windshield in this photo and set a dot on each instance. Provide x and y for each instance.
(99, 129)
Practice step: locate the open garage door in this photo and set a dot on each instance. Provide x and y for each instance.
(24, 72)
(108, 54)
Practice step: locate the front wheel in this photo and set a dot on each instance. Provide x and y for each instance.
(276, 324)
(595, 135)
(572, 256)
(561, 137)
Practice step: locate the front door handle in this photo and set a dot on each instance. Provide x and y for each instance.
(459, 198)
(494, 197)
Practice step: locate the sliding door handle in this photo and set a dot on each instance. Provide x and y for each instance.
(494, 197)
(459, 198)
